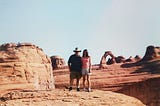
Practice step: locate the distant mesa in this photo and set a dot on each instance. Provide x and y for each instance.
(24, 66)
(57, 62)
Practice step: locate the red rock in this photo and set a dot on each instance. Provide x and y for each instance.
(151, 53)
(103, 63)
(137, 79)
(24, 66)
(57, 62)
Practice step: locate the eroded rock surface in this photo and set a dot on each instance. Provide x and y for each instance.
(152, 52)
(136, 78)
(66, 98)
(57, 62)
(24, 66)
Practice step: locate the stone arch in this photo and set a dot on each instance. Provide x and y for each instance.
(103, 62)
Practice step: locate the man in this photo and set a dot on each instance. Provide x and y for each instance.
(75, 68)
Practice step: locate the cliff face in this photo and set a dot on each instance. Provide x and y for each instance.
(24, 66)
(148, 91)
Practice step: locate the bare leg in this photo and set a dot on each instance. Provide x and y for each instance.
(89, 82)
(78, 83)
(71, 82)
(84, 79)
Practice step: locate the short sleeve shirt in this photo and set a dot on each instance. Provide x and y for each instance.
(85, 62)
(75, 63)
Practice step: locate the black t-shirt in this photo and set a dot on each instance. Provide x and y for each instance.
(75, 63)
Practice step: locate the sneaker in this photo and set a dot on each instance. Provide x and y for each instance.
(89, 90)
(70, 88)
(78, 89)
(84, 89)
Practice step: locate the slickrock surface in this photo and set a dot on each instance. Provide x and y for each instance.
(68, 98)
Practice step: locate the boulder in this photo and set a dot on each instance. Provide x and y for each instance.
(57, 62)
(120, 59)
(24, 66)
(130, 59)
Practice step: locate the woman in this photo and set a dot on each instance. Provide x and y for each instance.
(86, 70)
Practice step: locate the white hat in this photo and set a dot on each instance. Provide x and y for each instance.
(76, 50)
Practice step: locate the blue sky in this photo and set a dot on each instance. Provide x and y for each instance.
(126, 27)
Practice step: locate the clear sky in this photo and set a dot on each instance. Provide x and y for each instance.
(126, 27)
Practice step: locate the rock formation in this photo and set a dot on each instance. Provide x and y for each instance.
(114, 59)
(24, 66)
(111, 60)
(151, 53)
(57, 62)
(137, 58)
(120, 59)
(136, 78)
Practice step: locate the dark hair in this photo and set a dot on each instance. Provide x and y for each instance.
(85, 50)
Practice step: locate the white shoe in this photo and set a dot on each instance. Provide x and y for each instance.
(89, 90)
(84, 89)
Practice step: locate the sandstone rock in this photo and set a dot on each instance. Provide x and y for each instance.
(63, 97)
(120, 59)
(133, 59)
(137, 58)
(103, 62)
(132, 78)
(151, 53)
(147, 91)
(24, 66)
(57, 62)
(130, 59)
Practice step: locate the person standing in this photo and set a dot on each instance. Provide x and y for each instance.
(86, 69)
(75, 68)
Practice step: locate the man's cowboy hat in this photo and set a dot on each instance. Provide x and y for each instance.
(76, 50)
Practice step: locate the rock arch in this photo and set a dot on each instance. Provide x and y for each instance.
(103, 62)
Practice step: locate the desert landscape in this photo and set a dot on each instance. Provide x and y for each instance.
(28, 77)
